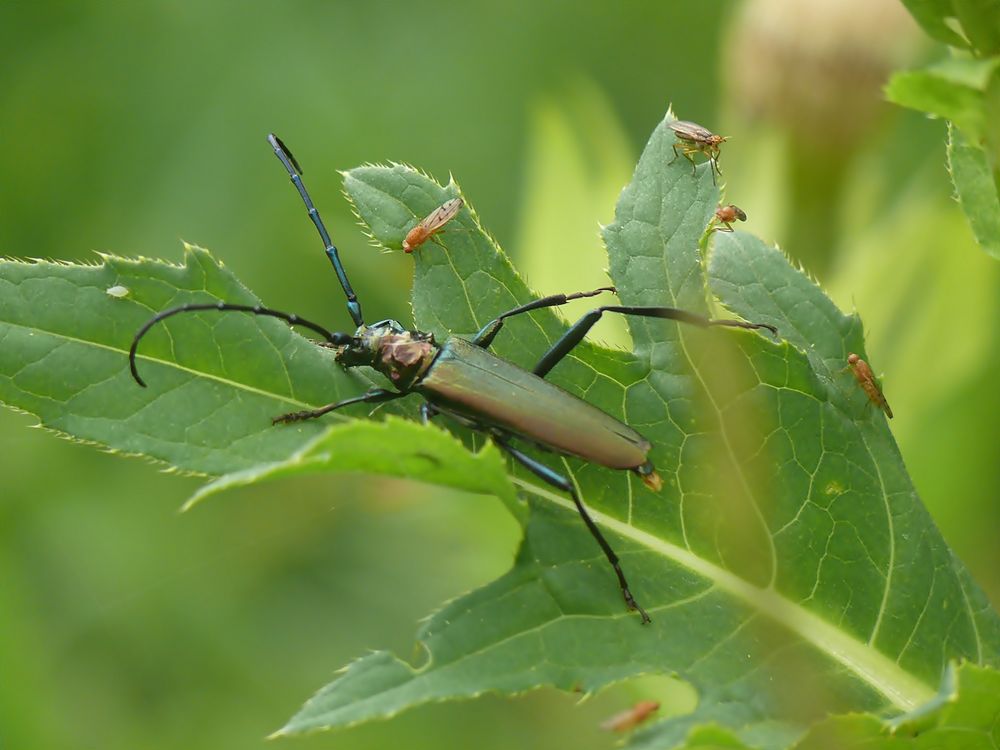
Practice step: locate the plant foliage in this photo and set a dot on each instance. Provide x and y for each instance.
(964, 89)
(788, 565)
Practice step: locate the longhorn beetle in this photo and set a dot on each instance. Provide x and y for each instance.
(462, 380)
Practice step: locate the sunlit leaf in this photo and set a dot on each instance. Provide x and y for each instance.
(215, 380)
(976, 190)
(787, 564)
(393, 448)
(934, 16)
(965, 24)
(951, 89)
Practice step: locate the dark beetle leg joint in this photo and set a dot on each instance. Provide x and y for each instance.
(374, 396)
(489, 331)
(558, 481)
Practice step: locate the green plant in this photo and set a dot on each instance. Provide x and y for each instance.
(964, 89)
(788, 564)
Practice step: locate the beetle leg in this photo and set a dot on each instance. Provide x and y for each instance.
(558, 481)
(576, 333)
(374, 396)
(488, 332)
(676, 154)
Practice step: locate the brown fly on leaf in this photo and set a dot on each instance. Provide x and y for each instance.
(432, 224)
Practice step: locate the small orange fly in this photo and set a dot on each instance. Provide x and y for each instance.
(432, 224)
(632, 717)
(866, 379)
(726, 215)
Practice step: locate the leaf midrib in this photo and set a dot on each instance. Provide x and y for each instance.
(901, 688)
(166, 363)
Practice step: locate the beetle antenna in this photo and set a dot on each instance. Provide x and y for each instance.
(295, 172)
(337, 339)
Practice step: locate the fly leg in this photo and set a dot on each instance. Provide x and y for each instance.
(575, 335)
(560, 482)
(374, 396)
(713, 162)
(488, 332)
(676, 154)
(686, 153)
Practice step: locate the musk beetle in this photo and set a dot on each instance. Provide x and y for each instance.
(460, 379)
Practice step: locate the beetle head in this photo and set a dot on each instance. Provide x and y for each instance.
(401, 355)
(364, 348)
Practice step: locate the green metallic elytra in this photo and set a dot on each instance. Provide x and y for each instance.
(468, 380)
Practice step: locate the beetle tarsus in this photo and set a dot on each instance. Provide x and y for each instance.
(485, 337)
(294, 416)
(560, 482)
(633, 606)
(372, 396)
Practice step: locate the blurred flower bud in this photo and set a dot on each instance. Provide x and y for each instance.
(816, 67)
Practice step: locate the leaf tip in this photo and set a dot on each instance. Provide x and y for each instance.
(279, 733)
(192, 501)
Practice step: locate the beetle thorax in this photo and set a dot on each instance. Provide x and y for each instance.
(404, 357)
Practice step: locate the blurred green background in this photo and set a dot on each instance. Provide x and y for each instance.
(129, 127)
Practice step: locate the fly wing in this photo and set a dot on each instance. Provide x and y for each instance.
(880, 399)
(690, 131)
(441, 215)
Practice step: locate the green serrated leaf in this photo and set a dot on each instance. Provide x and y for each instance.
(963, 716)
(933, 16)
(976, 190)
(215, 381)
(461, 280)
(787, 563)
(980, 21)
(952, 89)
(991, 109)
(395, 447)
